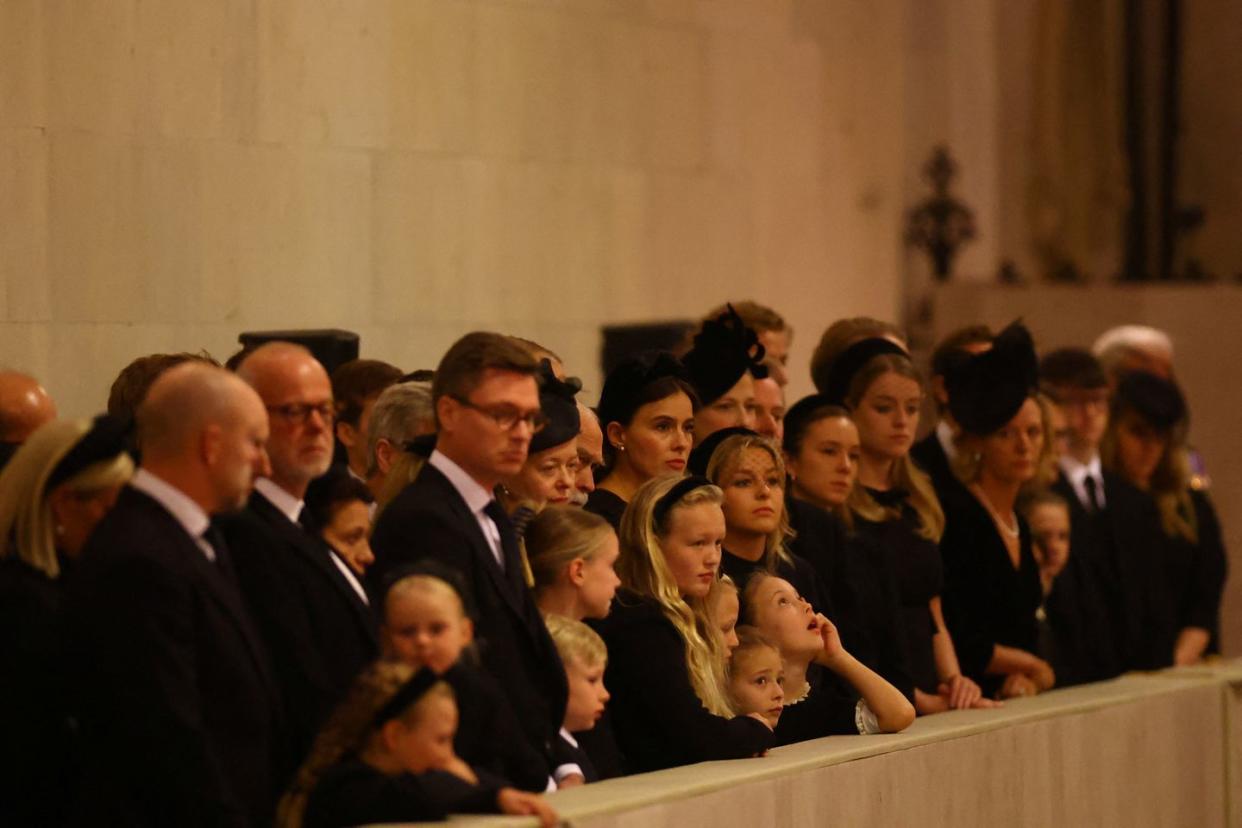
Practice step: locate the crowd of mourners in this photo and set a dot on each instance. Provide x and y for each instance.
(260, 593)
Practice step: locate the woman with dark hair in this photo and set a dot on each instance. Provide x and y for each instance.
(58, 486)
(822, 452)
(992, 588)
(339, 505)
(1146, 444)
(647, 414)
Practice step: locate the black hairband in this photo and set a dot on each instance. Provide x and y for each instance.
(410, 692)
(683, 487)
(850, 362)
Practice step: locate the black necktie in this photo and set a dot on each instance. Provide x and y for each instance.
(215, 539)
(308, 522)
(510, 555)
(1093, 492)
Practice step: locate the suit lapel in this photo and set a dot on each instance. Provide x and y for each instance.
(482, 549)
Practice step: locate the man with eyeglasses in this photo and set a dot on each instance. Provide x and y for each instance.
(310, 607)
(486, 403)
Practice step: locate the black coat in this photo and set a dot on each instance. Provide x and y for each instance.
(319, 632)
(429, 519)
(180, 712)
(657, 718)
(1195, 574)
(828, 709)
(1116, 559)
(929, 455)
(354, 793)
(38, 743)
(489, 735)
(563, 753)
(987, 600)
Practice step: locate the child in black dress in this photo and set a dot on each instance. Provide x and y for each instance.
(723, 607)
(386, 755)
(572, 555)
(584, 655)
(815, 704)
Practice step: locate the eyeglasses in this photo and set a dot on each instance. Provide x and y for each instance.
(301, 412)
(506, 416)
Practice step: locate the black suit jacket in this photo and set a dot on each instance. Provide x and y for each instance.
(1115, 563)
(929, 455)
(429, 519)
(319, 632)
(178, 706)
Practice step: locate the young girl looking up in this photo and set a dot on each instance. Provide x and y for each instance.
(647, 413)
(659, 627)
(386, 755)
(757, 676)
(584, 655)
(572, 553)
(425, 624)
(815, 705)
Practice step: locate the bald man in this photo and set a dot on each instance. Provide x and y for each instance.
(309, 606)
(24, 406)
(590, 455)
(180, 711)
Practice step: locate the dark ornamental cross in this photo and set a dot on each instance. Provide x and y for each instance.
(940, 224)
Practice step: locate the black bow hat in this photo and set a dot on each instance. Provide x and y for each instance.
(106, 439)
(625, 383)
(724, 350)
(413, 690)
(986, 390)
(701, 455)
(850, 361)
(1157, 401)
(560, 408)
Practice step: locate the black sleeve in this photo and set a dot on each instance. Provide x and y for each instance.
(142, 656)
(1202, 605)
(489, 735)
(407, 534)
(454, 795)
(967, 594)
(648, 665)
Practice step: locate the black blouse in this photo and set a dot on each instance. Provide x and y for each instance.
(919, 573)
(828, 709)
(987, 600)
(354, 793)
(608, 506)
(862, 588)
(657, 718)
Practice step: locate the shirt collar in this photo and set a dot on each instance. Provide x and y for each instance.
(189, 514)
(565, 734)
(476, 496)
(288, 505)
(1076, 471)
(944, 435)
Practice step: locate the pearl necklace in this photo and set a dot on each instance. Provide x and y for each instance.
(1000, 522)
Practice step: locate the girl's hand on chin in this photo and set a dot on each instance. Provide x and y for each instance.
(833, 648)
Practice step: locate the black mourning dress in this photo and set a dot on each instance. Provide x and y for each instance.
(915, 562)
(987, 600)
(354, 793)
(861, 587)
(656, 716)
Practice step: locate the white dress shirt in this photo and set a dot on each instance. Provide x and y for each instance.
(569, 768)
(476, 498)
(1076, 473)
(189, 514)
(291, 507)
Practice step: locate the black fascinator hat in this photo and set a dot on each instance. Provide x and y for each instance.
(986, 390)
(560, 408)
(1157, 401)
(724, 349)
(107, 438)
(624, 387)
(852, 360)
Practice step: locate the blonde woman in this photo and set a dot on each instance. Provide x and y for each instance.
(895, 508)
(665, 668)
(53, 492)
